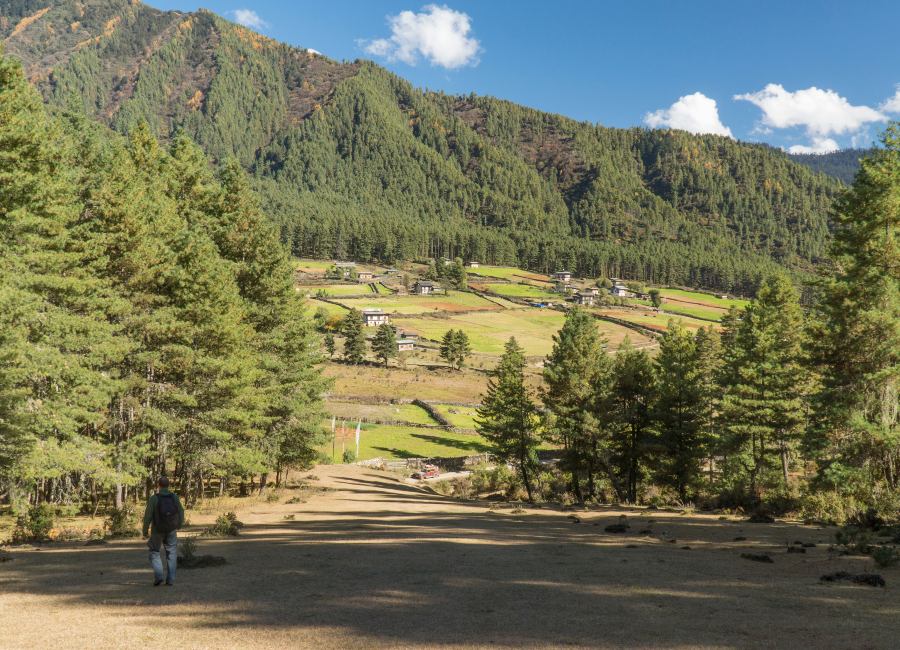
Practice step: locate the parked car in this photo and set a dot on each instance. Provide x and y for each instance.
(427, 471)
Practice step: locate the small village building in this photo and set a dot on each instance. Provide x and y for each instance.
(365, 276)
(345, 268)
(424, 287)
(585, 298)
(374, 317)
(594, 291)
(474, 265)
(621, 291)
(563, 276)
(406, 345)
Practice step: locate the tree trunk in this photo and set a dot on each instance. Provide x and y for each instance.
(263, 482)
(784, 463)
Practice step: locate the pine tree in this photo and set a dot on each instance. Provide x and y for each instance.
(763, 405)
(679, 411)
(57, 333)
(354, 337)
(709, 361)
(461, 349)
(856, 341)
(329, 344)
(575, 373)
(507, 417)
(448, 347)
(384, 345)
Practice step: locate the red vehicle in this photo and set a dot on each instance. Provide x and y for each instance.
(427, 471)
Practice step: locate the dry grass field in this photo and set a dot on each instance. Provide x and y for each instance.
(374, 562)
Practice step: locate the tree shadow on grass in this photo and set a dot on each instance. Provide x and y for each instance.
(473, 446)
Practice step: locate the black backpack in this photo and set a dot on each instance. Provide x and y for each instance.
(167, 515)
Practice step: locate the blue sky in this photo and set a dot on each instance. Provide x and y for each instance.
(797, 74)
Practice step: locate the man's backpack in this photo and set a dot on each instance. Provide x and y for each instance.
(167, 515)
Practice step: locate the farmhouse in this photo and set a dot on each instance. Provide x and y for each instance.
(585, 298)
(406, 345)
(424, 287)
(365, 276)
(474, 265)
(563, 276)
(374, 317)
(621, 291)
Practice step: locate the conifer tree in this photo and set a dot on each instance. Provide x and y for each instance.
(763, 404)
(384, 345)
(61, 344)
(573, 371)
(461, 348)
(354, 337)
(329, 344)
(679, 411)
(856, 340)
(628, 402)
(507, 417)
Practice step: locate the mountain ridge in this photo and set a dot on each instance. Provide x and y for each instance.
(352, 160)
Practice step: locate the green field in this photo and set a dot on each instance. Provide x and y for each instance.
(522, 291)
(651, 319)
(462, 417)
(684, 309)
(337, 290)
(453, 301)
(506, 273)
(489, 331)
(384, 412)
(704, 298)
(314, 305)
(313, 266)
(390, 441)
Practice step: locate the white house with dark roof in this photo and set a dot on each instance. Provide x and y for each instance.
(374, 317)
(563, 276)
(406, 345)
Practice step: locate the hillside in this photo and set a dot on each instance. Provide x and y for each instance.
(352, 161)
(842, 165)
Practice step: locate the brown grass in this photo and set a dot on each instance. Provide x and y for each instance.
(378, 563)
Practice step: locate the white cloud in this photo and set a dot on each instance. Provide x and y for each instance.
(438, 33)
(892, 104)
(696, 113)
(249, 18)
(820, 112)
(819, 145)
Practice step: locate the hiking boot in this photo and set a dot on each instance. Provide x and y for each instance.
(157, 583)
(170, 584)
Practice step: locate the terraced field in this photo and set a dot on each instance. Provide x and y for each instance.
(519, 291)
(453, 301)
(533, 329)
(507, 273)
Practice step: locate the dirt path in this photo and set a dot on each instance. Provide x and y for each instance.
(378, 563)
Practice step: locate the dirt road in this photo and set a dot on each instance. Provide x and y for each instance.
(378, 563)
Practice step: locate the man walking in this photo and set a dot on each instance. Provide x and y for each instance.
(166, 515)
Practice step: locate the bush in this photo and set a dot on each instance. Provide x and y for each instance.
(494, 479)
(348, 457)
(121, 522)
(35, 525)
(226, 525)
(829, 507)
(885, 556)
(188, 548)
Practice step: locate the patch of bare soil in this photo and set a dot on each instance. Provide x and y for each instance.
(374, 562)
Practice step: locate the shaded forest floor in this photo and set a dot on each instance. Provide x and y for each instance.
(376, 562)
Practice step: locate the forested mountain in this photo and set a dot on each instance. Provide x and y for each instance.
(842, 165)
(352, 161)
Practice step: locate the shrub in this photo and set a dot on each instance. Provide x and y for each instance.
(188, 548)
(494, 479)
(272, 496)
(121, 522)
(348, 457)
(885, 556)
(226, 525)
(828, 507)
(35, 525)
